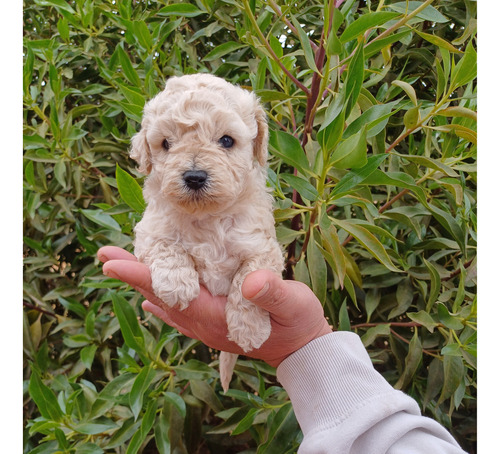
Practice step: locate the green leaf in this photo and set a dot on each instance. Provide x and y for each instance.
(434, 381)
(398, 179)
(355, 77)
(430, 163)
(133, 95)
(333, 44)
(103, 219)
(288, 148)
(124, 433)
(458, 111)
(87, 355)
(129, 326)
(180, 9)
(351, 152)
(246, 422)
(375, 331)
(435, 284)
(364, 22)
(329, 136)
(428, 13)
(375, 118)
(194, 369)
(88, 448)
(317, 269)
(375, 47)
(44, 398)
(129, 190)
(409, 90)
(412, 362)
(97, 426)
(447, 319)
(372, 300)
(146, 425)
(177, 401)
(140, 386)
(306, 190)
(128, 70)
(59, 4)
(344, 323)
(404, 298)
(286, 235)
(281, 425)
(271, 95)
(142, 34)
(305, 45)
(437, 41)
(449, 223)
(466, 68)
(223, 49)
(453, 368)
(408, 215)
(357, 176)
(368, 241)
(204, 392)
(331, 243)
(333, 111)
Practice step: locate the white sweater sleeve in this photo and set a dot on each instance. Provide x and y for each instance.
(343, 405)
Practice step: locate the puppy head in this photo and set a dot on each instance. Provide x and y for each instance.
(200, 140)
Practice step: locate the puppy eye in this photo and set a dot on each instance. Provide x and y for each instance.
(165, 145)
(226, 141)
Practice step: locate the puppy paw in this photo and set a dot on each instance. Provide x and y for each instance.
(175, 287)
(248, 325)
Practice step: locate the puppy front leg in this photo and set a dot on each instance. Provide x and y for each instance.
(248, 325)
(174, 277)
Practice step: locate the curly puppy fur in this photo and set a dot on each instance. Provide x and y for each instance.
(203, 144)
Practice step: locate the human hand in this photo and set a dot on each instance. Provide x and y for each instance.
(296, 314)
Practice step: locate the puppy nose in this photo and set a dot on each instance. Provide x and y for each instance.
(195, 179)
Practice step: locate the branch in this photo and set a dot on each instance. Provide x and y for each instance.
(266, 44)
(278, 11)
(39, 309)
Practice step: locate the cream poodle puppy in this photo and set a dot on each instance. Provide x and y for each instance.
(209, 220)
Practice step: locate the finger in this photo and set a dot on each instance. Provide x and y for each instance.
(107, 253)
(163, 314)
(133, 273)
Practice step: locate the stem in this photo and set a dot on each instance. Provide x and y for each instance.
(266, 44)
(278, 11)
(427, 352)
(398, 324)
(402, 21)
(39, 309)
(391, 29)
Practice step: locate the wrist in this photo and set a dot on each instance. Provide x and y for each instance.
(323, 330)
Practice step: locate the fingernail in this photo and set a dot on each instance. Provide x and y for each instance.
(109, 273)
(262, 291)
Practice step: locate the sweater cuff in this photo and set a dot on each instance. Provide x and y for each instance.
(330, 378)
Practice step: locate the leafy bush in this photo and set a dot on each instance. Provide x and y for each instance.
(373, 166)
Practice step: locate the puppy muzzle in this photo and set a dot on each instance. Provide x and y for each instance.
(195, 179)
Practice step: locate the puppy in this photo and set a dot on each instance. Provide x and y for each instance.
(209, 221)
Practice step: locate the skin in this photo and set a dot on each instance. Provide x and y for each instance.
(296, 314)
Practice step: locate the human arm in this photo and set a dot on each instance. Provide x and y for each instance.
(342, 403)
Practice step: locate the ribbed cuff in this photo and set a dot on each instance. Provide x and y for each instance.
(330, 378)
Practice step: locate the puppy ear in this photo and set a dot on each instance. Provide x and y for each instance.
(141, 152)
(260, 142)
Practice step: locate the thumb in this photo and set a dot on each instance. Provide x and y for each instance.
(266, 290)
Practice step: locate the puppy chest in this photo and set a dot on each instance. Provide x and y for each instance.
(216, 266)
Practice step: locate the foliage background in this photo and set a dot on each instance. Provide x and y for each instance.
(373, 152)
